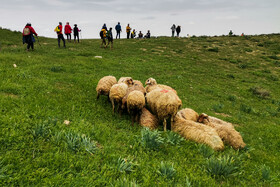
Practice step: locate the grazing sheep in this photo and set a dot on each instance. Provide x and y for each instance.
(224, 129)
(138, 82)
(164, 104)
(135, 104)
(135, 86)
(189, 114)
(152, 85)
(147, 119)
(197, 132)
(117, 92)
(127, 80)
(104, 85)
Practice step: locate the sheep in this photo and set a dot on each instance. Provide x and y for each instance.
(138, 82)
(224, 129)
(189, 114)
(117, 92)
(104, 85)
(152, 84)
(164, 104)
(135, 104)
(127, 80)
(147, 119)
(135, 86)
(197, 132)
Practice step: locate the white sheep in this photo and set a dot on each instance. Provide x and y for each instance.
(127, 80)
(117, 92)
(135, 86)
(147, 119)
(104, 85)
(151, 84)
(135, 104)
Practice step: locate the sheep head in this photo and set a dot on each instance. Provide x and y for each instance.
(203, 118)
(129, 82)
(151, 81)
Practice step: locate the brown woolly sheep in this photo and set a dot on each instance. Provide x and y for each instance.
(138, 82)
(151, 84)
(147, 119)
(197, 132)
(224, 129)
(127, 80)
(164, 104)
(104, 85)
(117, 92)
(135, 86)
(189, 114)
(135, 104)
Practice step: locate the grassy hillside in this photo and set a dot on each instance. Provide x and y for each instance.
(232, 78)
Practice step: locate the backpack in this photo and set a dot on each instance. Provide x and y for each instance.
(101, 34)
(26, 31)
(57, 29)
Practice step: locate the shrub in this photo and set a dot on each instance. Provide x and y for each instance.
(56, 69)
(73, 141)
(214, 49)
(265, 172)
(173, 138)
(124, 165)
(222, 167)
(246, 109)
(218, 107)
(260, 92)
(40, 130)
(232, 98)
(166, 170)
(151, 139)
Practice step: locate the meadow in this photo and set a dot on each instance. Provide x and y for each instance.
(233, 78)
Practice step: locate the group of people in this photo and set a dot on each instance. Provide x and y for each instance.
(107, 34)
(177, 29)
(67, 32)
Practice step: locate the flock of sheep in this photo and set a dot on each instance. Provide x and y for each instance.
(163, 103)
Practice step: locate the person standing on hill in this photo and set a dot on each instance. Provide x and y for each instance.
(148, 35)
(118, 30)
(58, 30)
(76, 33)
(109, 36)
(27, 36)
(103, 37)
(128, 31)
(178, 30)
(173, 28)
(68, 31)
(133, 34)
(104, 27)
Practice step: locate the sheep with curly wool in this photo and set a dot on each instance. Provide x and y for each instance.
(127, 80)
(224, 129)
(117, 92)
(135, 86)
(189, 114)
(164, 104)
(135, 104)
(104, 85)
(197, 132)
(138, 82)
(151, 84)
(147, 119)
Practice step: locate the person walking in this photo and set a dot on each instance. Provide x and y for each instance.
(178, 30)
(109, 36)
(58, 30)
(103, 37)
(128, 31)
(27, 36)
(68, 31)
(76, 33)
(118, 30)
(173, 28)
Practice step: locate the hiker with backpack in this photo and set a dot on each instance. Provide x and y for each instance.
(109, 36)
(102, 34)
(58, 30)
(173, 28)
(128, 31)
(178, 30)
(27, 36)
(119, 30)
(68, 31)
(133, 34)
(76, 33)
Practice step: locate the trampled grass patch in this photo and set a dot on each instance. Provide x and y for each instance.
(233, 78)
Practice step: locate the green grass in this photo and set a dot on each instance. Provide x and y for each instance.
(232, 78)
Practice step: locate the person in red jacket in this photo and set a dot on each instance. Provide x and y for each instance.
(27, 36)
(68, 31)
(58, 30)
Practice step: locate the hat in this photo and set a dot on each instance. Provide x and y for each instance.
(75, 24)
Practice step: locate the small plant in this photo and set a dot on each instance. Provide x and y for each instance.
(218, 107)
(125, 183)
(246, 109)
(214, 49)
(166, 170)
(260, 92)
(151, 139)
(222, 167)
(40, 130)
(265, 171)
(232, 98)
(73, 141)
(173, 138)
(56, 69)
(206, 151)
(90, 146)
(56, 138)
(188, 182)
(124, 165)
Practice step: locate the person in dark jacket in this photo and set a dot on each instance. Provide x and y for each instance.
(178, 30)
(27, 36)
(148, 35)
(109, 36)
(105, 27)
(76, 33)
(118, 30)
(60, 36)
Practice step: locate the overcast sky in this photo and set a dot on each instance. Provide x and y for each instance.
(196, 17)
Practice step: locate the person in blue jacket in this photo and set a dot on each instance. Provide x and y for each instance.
(119, 30)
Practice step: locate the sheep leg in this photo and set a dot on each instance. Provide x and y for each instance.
(172, 121)
(132, 119)
(113, 105)
(164, 124)
(97, 96)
